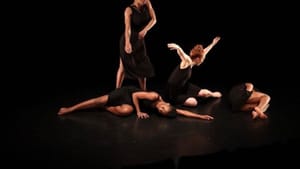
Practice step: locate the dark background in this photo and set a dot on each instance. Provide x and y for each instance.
(58, 53)
(65, 47)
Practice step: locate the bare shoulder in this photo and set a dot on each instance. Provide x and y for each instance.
(148, 3)
(128, 10)
(185, 63)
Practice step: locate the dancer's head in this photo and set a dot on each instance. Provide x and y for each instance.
(197, 54)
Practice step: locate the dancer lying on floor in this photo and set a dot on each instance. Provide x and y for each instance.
(244, 97)
(125, 100)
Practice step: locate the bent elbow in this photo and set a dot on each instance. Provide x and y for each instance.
(154, 21)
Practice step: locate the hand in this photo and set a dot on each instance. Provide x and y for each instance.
(173, 46)
(207, 117)
(128, 48)
(216, 39)
(142, 115)
(142, 34)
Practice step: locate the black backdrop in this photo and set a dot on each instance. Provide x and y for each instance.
(75, 46)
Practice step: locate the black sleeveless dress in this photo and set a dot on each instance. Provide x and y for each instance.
(178, 88)
(237, 96)
(121, 96)
(137, 64)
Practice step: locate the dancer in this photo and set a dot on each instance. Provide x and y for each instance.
(244, 97)
(125, 100)
(179, 90)
(139, 18)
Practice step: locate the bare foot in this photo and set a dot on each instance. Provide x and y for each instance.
(254, 114)
(216, 94)
(206, 93)
(63, 110)
(261, 114)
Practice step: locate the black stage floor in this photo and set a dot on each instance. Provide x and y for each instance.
(98, 139)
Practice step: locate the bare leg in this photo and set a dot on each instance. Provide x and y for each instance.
(91, 103)
(261, 114)
(254, 114)
(122, 110)
(264, 109)
(191, 102)
(207, 93)
(258, 113)
(264, 102)
(261, 102)
(251, 107)
(142, 82)
(120, 75)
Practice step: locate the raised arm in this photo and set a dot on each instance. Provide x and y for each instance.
(152, 21)
(193, 115)
(211, 45)
(183, 56)
(136, 96)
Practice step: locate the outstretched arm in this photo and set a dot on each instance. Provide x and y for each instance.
(193, 115)
(211, 45)
(136, 96)
(183, 56)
